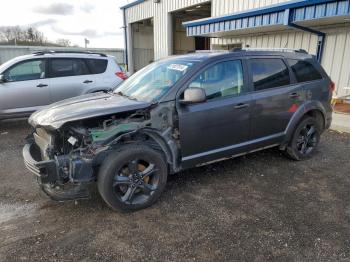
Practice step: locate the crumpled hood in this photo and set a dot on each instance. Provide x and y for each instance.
(83, 107)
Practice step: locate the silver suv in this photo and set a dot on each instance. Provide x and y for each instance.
(29, 82)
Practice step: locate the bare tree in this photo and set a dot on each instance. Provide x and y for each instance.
(21, 36)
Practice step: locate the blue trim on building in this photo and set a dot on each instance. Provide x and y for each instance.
(293, 11)
(132, 4)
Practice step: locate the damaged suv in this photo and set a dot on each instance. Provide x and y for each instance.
(177, 113)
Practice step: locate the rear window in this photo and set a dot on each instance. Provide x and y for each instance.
(304, 71)
(61, 67)
(269, 73)
(97, 66)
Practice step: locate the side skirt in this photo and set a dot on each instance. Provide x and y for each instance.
(232, 150)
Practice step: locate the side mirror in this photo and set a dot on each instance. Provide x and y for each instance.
(193, 95)
(2, 79)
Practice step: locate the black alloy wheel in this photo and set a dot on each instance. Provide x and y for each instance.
(305, 139)
(132, 177)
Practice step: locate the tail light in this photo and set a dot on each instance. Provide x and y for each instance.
(332, 86)
(121, 75)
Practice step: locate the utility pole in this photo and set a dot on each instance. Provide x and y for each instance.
(86, 42)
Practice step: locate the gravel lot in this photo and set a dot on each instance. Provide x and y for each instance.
(259, 207)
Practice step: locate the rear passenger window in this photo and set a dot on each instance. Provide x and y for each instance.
(61, 67)
(97, 66)
(304, 71)
(269, 73)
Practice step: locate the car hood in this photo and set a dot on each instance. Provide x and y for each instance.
(83, 107)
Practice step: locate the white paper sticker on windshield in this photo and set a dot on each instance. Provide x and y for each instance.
(178, 67)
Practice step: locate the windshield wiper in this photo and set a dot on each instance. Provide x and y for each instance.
(120, 93)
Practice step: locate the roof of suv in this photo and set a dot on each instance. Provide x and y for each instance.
(205, 55)
(56, 54)
(59, 54)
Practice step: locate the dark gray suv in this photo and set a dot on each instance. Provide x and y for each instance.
(178, 113)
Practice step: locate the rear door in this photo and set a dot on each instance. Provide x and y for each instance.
(276, 97)
(220, 126)
(69, 77)
(26, 87)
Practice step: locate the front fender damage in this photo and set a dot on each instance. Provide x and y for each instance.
(78, 149)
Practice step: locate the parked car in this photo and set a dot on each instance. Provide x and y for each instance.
(178, 113)
(30, 82)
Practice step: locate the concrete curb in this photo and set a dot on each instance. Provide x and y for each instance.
(341, 122)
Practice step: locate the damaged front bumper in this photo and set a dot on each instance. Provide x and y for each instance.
(48, 174)
(46, 171)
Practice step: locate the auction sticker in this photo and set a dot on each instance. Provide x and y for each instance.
(178, 67)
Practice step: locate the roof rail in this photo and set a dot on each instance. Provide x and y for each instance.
(210, 51)
(67, 52)
(271, 49)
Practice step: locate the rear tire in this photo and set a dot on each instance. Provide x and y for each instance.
(305, 139)
(132, 177)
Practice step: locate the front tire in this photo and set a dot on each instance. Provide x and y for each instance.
(304, 140)
(132, 177)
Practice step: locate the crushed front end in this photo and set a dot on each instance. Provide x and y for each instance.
(66, 160)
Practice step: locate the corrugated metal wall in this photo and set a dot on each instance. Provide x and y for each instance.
(222, 7)
(9, 52)
(143, 45)
(336, 58)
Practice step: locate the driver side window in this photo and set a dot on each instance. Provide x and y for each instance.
(220, 80)
(29, 70)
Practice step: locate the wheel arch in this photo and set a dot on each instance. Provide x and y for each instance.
(167, 146)
(312, 108)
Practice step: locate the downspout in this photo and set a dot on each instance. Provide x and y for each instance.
(125, 41)
(321, 35)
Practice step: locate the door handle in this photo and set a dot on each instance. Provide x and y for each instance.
(41, 85)
(294, 95)
(87, 81)
(241, 105)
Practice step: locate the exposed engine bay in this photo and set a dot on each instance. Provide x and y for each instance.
(72, 154)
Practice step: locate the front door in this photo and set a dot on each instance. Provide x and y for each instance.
(25, 88)
(220, 126)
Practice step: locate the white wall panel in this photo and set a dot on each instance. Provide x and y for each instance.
(336, 59)
(222, 7)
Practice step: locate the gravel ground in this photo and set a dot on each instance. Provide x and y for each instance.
(253, 208)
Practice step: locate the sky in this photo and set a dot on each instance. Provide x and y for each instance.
(100, 21)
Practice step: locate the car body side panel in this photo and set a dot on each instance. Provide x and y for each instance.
(212, 125)
(23, 96)
(109, 77)
(209, 129)
(273, 109)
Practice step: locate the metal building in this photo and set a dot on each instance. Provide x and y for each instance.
(158, 28)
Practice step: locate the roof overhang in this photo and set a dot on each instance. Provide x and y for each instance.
(132, 4)
(273, 18)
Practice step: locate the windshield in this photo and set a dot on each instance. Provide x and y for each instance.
(153, 81)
